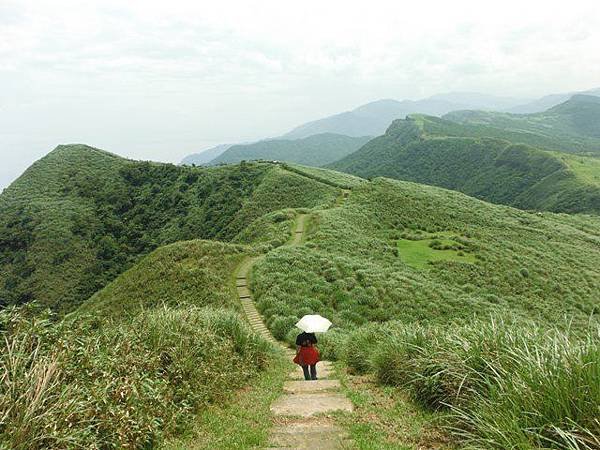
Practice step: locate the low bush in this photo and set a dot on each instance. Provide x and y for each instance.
(505, 385)
(117, 386)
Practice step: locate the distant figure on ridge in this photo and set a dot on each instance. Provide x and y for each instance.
(307, 354)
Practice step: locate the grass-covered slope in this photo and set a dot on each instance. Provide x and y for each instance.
(355, 267)
(572, 126)
(473, 160)
(457, 302)
(80, 216)
(316, 150)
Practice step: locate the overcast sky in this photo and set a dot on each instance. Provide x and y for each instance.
(160, 79)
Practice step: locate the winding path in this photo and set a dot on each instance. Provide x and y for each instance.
(300, 415)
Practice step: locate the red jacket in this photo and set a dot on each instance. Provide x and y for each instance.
(307, 356)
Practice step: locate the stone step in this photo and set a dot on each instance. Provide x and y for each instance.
(309, 435)
(300, 387)
(308, 405)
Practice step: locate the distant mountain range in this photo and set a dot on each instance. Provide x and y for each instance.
(481, 162)
(548, 101)
(372, 119)
(316, 150)
(205, 156)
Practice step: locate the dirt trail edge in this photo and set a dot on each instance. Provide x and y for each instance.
(301, 416)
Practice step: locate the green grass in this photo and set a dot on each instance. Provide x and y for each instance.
(571, 126)
(350, 270)
(484, 162)
(242, 423)
(190, 273)
(80, 216)
(504, 385)
(385, 418)
(420, 253)
(160, 354)
(585, 168)
(127, 384)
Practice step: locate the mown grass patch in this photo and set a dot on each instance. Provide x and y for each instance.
(421, 252)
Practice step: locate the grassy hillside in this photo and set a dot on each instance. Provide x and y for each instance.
(461, 157)
(316, 150)
(487, 312)
(496, 259)
(572, 126)
(80, 216)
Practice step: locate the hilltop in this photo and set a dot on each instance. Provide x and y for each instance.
(572, 126)
(395, 265)
(316, 150)
(480, 161)
(80, 216)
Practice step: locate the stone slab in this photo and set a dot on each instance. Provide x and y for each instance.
(308, 435)
(299, 387)
(307, 405)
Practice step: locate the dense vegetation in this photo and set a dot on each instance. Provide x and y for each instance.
(80, 216)
(525, 380)
(316, 150)
(505, 385)
(435, 151)
(162, 342)
(572, 126)
(121, 384)
(487, 312)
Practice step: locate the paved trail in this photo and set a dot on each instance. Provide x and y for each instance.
(300, 418)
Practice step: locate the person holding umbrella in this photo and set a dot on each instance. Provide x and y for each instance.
(307, 354)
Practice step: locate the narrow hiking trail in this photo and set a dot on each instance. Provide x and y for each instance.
(300, 415)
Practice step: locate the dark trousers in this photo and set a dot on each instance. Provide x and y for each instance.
(310, 374)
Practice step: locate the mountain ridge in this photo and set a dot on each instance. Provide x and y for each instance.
(436, 151)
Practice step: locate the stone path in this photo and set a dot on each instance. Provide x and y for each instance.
(300, 415)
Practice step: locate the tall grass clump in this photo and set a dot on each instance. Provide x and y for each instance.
(122, 385)
(504, 385)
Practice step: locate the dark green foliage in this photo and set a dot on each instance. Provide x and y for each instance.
(316, 150)
(442, 153)
(80, 216)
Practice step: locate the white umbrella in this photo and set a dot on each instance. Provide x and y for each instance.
(313, 323)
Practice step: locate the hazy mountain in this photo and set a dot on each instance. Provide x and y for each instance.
(431, 150)
(205, 156)
(548, 101)
(316, 150)
(374, 118)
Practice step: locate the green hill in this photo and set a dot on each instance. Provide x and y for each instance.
(316, 150)
(409, 274)
(80, 216)
(481, 161)
(572, 126)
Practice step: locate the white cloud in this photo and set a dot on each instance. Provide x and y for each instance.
(157, 79)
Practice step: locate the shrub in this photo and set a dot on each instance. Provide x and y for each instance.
(91, 385)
